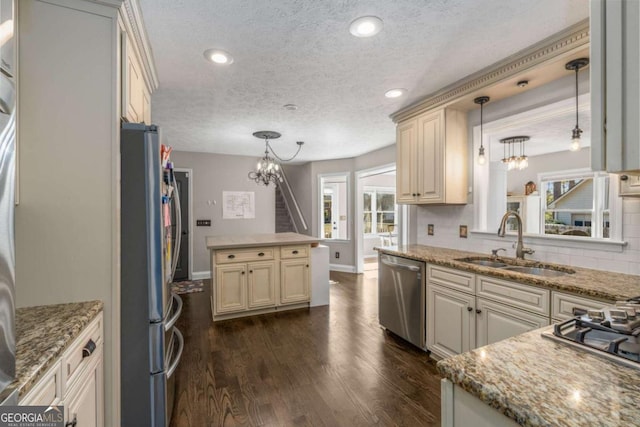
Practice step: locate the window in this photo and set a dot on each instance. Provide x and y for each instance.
(379, 210)
(576, 204)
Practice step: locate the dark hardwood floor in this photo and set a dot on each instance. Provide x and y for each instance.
(324, 366)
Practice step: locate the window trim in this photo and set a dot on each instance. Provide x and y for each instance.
(597, 211)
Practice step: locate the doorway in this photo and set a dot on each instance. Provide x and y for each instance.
(378, 217)
(183, 184)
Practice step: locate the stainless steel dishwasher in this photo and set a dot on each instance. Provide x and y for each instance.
(401, 299)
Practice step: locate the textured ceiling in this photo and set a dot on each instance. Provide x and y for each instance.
(301, 52)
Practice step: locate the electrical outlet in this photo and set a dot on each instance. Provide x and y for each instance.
(430, 229)
(337, 255)
(203, 223)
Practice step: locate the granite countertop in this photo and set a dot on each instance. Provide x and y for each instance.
(254, 240)
(590, 283)
(43, 333)
(539, 382)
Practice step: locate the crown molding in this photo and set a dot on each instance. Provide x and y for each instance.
(134, 26)
(566, 41)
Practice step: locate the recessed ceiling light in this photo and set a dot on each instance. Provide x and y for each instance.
(366, 26)
(290, 107)
(395, 93)
(218, 56)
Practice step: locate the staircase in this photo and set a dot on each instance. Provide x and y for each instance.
(284, 223)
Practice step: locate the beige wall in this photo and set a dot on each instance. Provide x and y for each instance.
(213, 174)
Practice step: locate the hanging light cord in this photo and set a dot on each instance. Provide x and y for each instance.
(481, 123)
(577, 69)
(280, 158)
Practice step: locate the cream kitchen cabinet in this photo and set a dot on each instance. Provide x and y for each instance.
(465, 311)
(432, 158)
(231, 288)
(615, 93)
(245, 279)
(258, 280)
(294, 284)
(136, 96)
(562, 305)
(75, 380)
(496, 322)
(261, 281)
(451, 321)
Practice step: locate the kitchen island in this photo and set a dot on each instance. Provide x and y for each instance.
(260, 273)
(535, 381)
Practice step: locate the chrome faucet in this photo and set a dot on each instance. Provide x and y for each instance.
(520, 249)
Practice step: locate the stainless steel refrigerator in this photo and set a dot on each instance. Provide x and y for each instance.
(151, 344)
(8, 395)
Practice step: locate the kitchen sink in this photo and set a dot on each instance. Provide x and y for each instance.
(498, 263)
(536, 271)
(485, 262)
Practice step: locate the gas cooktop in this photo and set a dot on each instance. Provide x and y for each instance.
(612, 332)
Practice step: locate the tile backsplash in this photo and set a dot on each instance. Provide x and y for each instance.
(446, 219)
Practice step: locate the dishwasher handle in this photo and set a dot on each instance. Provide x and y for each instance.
(400, 266)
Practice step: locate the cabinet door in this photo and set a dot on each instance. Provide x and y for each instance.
(431, 157)
(84, 403)
(146, 105)
(261, 284)
(496, 322)
(231, 288)
(406, 161)
(132, 84)
(294, 281)
(450, 321)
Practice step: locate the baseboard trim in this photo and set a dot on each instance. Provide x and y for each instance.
(200, 275)
(342, 268)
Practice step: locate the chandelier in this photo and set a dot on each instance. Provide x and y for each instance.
(513, 152)
(268, 170)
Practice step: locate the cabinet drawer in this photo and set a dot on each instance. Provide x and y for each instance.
(294, 251)
(243, 255)
(514, 294)
(76, 357)
(451, 278)
(48, 390)
(562, 305)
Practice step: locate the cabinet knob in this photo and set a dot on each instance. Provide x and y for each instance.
(478, 311)
(307, 265)
(469, 308)
(243, 272)
(250, 271)
(418, 194)
(261, 254)
(231, 256)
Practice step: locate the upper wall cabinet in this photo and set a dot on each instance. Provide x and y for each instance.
(136, 104)
(432, 158)
(615, 85)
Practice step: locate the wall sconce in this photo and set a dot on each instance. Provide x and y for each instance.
(481, 100)
(576, 65)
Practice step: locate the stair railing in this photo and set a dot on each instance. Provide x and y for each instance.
(287, 194)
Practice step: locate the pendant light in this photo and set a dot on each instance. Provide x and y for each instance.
(509, 149)
(481, 100)
(576, 65)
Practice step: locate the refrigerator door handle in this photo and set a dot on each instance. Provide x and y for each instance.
(176, 248)
(178, 356)
(170, 322)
